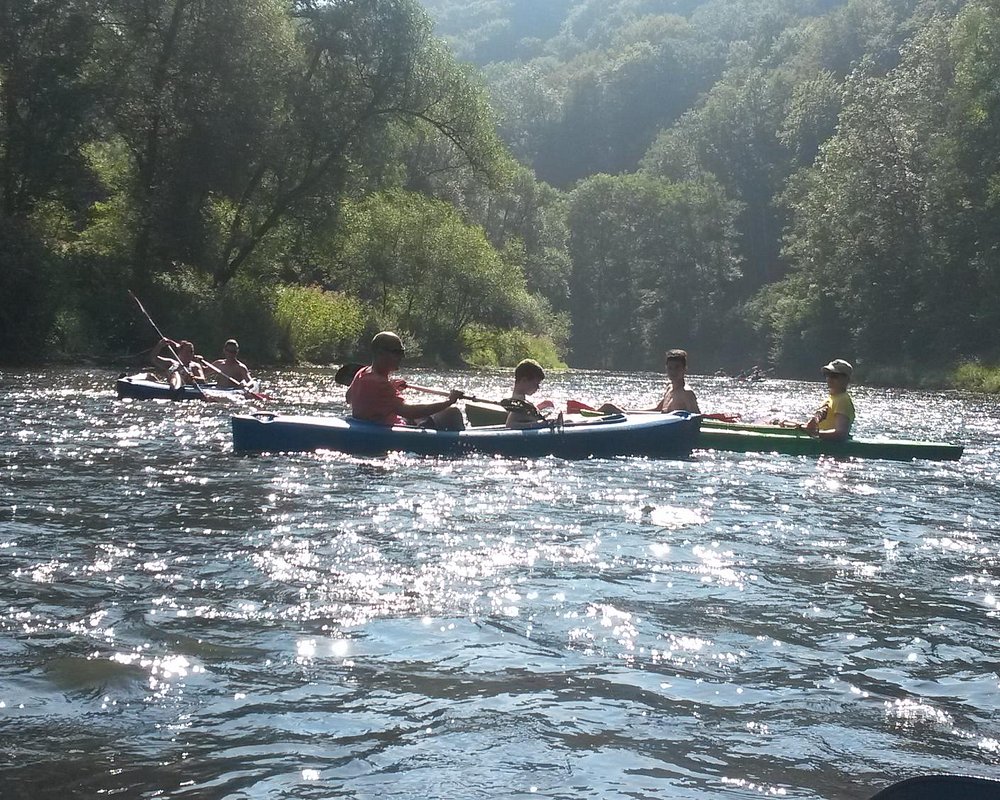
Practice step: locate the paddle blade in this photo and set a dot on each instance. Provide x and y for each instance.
(575, 407)
(935, 787)
(347, 372)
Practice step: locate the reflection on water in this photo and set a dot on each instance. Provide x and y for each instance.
(182, 622)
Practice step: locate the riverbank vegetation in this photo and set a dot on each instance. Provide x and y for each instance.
(975, 377)
(762, 182)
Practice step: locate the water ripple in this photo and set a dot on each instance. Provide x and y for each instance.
(183, 622)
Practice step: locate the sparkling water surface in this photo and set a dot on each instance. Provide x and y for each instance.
(178, 621)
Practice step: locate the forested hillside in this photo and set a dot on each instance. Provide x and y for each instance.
(298, 174)
(760, 179)
(774, 181)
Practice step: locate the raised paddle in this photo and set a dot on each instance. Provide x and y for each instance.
(346, 374)
(173, 352)
(239, 384)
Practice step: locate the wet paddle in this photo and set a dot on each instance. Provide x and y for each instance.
(239, 384)
(577, 407)
(170, 346)
(347, 372)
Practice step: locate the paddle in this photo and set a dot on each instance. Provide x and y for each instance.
(577, 407)
(170, 345)
(240, 384)
(346, 374)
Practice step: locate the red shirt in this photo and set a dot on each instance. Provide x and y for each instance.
(376, 398)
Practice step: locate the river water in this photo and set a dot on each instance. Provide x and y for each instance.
(179, 621)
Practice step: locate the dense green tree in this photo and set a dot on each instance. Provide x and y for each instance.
(497, 30)
(734, 138)
(811, 117)
(615, 101)
(368, 67)
(974, 148)
(425, 272)
(190, 88)
(230, 102)
(652, 262)
(893, 213)
(45, 97)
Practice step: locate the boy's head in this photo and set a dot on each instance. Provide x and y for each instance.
(838, 373)
(676, 362)
(677, 355)
(529, 368)
(527, 375)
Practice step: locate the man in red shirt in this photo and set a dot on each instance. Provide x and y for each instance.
(376, 397)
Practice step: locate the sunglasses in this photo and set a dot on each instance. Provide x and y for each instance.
(396, 351)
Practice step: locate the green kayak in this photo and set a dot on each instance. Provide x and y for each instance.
(738, 438)
(742, 437)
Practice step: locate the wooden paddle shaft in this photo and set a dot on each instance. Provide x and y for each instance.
(442, 393)
(427, 390)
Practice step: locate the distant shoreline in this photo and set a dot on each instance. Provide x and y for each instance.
(969, 376)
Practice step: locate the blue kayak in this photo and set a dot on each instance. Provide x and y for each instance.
(140, 387)
(660, 436)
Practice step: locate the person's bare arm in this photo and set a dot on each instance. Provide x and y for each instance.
(840, 431)
(155, 354)
(197, 373)
(419, 410)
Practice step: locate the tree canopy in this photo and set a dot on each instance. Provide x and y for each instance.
(596, 180)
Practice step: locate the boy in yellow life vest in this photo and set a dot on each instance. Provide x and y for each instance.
(834, 418)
